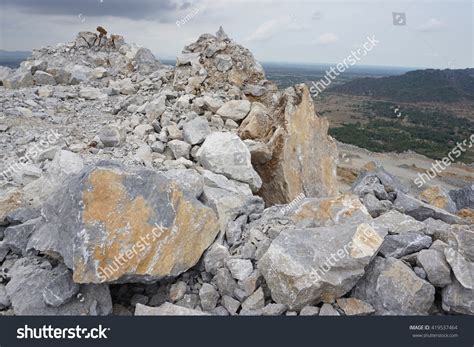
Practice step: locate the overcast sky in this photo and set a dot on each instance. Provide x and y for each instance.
(429, 34)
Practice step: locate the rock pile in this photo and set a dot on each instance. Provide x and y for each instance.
(131, 187)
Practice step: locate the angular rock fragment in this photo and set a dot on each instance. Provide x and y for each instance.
(167, 309)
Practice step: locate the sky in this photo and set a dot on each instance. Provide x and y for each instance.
(426, 34)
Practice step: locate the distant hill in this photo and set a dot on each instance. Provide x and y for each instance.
(13, 58)
(420, 85)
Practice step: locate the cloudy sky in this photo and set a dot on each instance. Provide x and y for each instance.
(436, 34)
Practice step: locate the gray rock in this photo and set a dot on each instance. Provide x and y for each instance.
(225, 153)
(274, 309)
(355, 307)
(458, 299)
(309, 311)
(16, 237)
(463, 198)
(304, 266)
(18, 79)
(225, 282)
(189, 301)
(167, 309)
(168, 228)
(42, 78)
(196, 130)
(61, 289)
(208, 296)
(189, 180)
(254, 302)
(230, 304)
(375, 206)
(4, 299)
(215, 257)
(235, 110)
(392, 288)
(436, 268)
(239, 268)
(22, 215)
(462, 239)
(398, 223)
(110, 136)
(328, 310)
(177, 291)
(421, 211)
(462, 269)
(91, 93)
(223, 62)
(179, 148)
(139, 299)
(30, 278)
(397, 246)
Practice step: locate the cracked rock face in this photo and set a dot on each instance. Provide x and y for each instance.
(112, 225)
(296, 168)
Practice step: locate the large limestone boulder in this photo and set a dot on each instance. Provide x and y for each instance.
(392, 288)
(109, 225)
(305, 266)
(438, 197)
(303, 155)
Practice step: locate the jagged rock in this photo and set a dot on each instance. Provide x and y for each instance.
(19, 79)
(215, 258)
(239, 268)
(4, 299)
(230, 304)
(438, 197)
(458, 299)
(392, 288)
(225, 153)
(463, 198)
(208, 296)
(462, 239)
(375, 206)
(435, 265)
(421, 211)
(274, 309)
(61, 289)
(168, 229)
(303, 155)
(374, 175)
(328, 310)
(17, 236)
(462, 269)
(196, 130)
(91, 93)
(33, 283)
(397, 246)
(43, 78)
(178, 290)
(298, 266)
(235, 110)
(167, 309)
(110, 136)
(257, 124)
(355, 307)
(398, 223)
(309, 311)
(179, 148)
(256, 301)
(22, 215)
(225, 282)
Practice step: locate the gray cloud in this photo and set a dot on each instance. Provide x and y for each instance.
(160, 10)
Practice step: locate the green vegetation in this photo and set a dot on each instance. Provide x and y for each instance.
(430, 132)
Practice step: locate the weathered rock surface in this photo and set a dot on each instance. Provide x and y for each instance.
(167, 309)
(392, 288)
(306, 266)
(296, 168)
(109, 225)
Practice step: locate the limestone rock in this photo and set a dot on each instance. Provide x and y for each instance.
(392, 288)
(435, 265)
(355, 307)
(235, 110)
(397, 246)
(458, 299)
(109, 224)
(438, 197)
(225, 153)
(303, 155)
(306, 266)
(167, 309)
